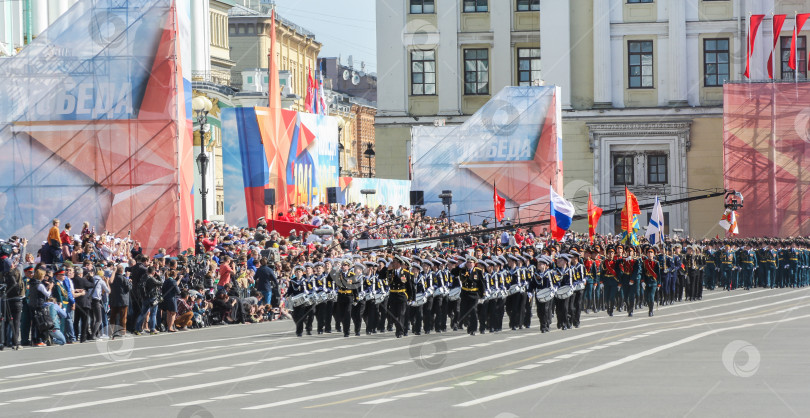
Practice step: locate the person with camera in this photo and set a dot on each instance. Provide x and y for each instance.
(119, 301)
(170, 291)
(14, 294)
(83, 307)
(152, 296)
(39, 291)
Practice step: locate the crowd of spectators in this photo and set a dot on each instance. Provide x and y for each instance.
(97, 285)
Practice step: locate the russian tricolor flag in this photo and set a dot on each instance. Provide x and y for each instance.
(562, 211)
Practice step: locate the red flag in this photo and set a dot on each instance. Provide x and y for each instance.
(500, 205)
(800, 19)
(308, 100)
(754, 22)
(274, 89)
(594, 213)
(630, 209)
(778, 21)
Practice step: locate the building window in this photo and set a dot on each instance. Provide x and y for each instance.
(640, 64)
(476, 71)
(419, 7)
(801, 57)
(475, 6)
(715, 62)
(623, 169)
(657, 169)
(528, 66)
(639, 1)
(526, 5)
(423, 73)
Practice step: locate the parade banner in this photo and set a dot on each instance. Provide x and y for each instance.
(305, 155)
(513, 142)
(386, 192)
(766, 156)
(95, 120)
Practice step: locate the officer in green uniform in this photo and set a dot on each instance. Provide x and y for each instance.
(748, 263)
(649, 275)
(727, 265)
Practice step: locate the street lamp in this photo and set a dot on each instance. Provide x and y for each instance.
(341, 149)
(369, 153)
(202, 105)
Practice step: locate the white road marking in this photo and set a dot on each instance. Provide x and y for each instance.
(549, 361)
(20, 376)
(294, 385)
(187, 374)
(598, 347)
(529, 366)
(617, 363)
(235, 395)
(194, 402)
(481, 345)
(324, 379)
(377, 401)
(463, 348)
(155, 380)
(247, 363)
(264, 360)
(347, 374)
(297, 354)
(33, 398)
(438, 389)
(612, 343)
(489, 377)
(508, 372)
(380, 367)
(586, 351)
(468, 383)
(65, 369)
(321, 350)
(74, 392)
(103, 363)
(410, 395)
(498, 356)
(218, 369)
(120, 385)
(265, 390)
(398, 362)
(566, 356)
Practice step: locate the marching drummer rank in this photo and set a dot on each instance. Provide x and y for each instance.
(478, 292)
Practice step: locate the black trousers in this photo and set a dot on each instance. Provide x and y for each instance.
(344, 312)
(397, 305)
(483, 314)
(527, 313)
(81, 323)
(96, 310)
(452, 308)
(299, 317)
(561, 309)
(469, 310)
(544, 314)
(371, 315)
(427, 315)
(437, 315)
(357, 316)
(323, 314)
(575, 307)
(517, 307)
(15, 314)
(382, 315)
(415, 318)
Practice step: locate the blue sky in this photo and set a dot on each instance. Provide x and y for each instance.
(344, 27)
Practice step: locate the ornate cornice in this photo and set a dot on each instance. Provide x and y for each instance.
(599, 130)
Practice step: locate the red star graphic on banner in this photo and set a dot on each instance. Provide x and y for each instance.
(137, 159)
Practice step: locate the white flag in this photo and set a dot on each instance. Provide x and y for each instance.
(655, 230)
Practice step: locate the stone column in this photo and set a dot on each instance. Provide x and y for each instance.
(39, 16)
(677, 53)
(601, 55)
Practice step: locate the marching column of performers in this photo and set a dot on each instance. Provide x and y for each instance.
(483, 289)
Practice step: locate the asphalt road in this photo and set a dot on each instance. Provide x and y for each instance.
(739, 353)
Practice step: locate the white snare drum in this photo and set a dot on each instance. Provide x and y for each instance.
(454, 294)
(299, 300)
(419, 300)
(544, 295)
(580, 285)
(564, 292)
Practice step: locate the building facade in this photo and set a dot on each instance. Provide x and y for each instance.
(249, 39)
(646, 97)
(642, 85)
(347, 79)
(443, 59)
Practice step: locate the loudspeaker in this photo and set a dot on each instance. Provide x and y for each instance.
(269, 197)
(331, 195)
(417, 198)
